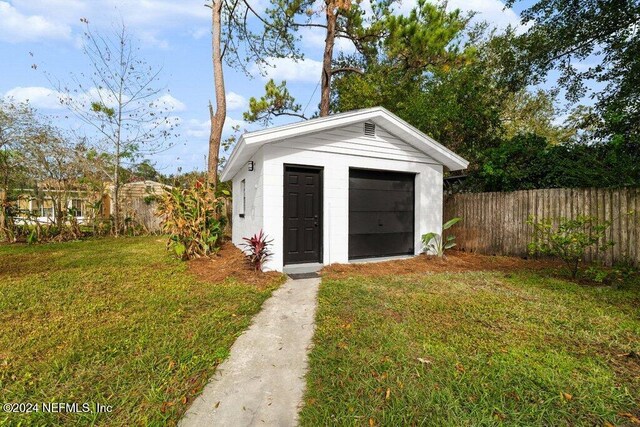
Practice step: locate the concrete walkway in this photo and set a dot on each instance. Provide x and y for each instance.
(262, 381)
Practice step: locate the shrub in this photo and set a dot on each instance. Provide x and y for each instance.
(569, 239)
(528, 161)
(192, 218)
(622, 273)
(257, 248)
(434, 242)
(150, 199)
(29, 229)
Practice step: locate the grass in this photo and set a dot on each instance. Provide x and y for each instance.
(116, 322)
(473, 348)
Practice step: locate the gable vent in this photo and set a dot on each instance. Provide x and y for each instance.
(369, 129)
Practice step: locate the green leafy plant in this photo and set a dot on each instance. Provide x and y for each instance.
(32, 237)
(568, 239)
(620, 274)
(192, 218)
(257, 250)
(435, 244)
(151, 198)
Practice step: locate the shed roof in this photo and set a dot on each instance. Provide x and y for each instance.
(250, 142)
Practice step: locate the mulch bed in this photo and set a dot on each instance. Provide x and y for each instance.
(455, 261)
(230, 262)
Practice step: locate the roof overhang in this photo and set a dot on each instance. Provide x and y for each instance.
(250, 143)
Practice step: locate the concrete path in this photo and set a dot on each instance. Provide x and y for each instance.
(262, 381)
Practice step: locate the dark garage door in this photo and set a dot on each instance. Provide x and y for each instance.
(381, 213)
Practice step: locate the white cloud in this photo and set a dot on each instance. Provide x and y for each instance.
(103, 96)
(57, 10)
(230, 123)
(196, 128)
(345, 45)
(200, 32)
(49, 99)
(172, 104)
(36, 96)
(307, 70)
(201, 128)
(315, 38)
(36, 20)
(151, 39)
(17, 27)
(159, 13)
(236, 101)
(492, 11)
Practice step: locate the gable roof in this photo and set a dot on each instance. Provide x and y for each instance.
(250, 142)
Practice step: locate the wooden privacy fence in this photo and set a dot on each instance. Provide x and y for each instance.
(496, 223)
(144, 212)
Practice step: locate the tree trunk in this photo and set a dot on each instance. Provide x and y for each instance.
(4, 221)
(58, 214)
(4, 198)
(116, 190)
(218, 117)
(325, 92)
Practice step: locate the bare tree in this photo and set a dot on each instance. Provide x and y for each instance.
(17, 121)
(53, 165)
(120, 100)
(35, 155)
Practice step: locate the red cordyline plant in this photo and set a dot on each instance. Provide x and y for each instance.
(257, 248)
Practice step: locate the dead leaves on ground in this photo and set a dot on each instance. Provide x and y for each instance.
(499, 416)
(457, 261)
(425, 361)
(165, 406)
(631, 355)
(632, 418)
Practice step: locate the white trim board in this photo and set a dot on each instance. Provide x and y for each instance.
(249, 143)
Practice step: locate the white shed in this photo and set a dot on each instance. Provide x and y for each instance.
(352, 186)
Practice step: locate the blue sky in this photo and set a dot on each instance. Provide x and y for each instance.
(173, 34)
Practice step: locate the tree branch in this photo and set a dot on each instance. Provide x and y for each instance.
(347, 70)
(281, 113)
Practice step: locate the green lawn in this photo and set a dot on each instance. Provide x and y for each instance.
(473, 348)
(115, 322)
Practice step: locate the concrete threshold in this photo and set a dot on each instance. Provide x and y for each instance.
(311, 267)
(380, 259)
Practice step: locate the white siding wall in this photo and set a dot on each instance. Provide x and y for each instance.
(253, 214)
(351, 140)
(336, 151)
